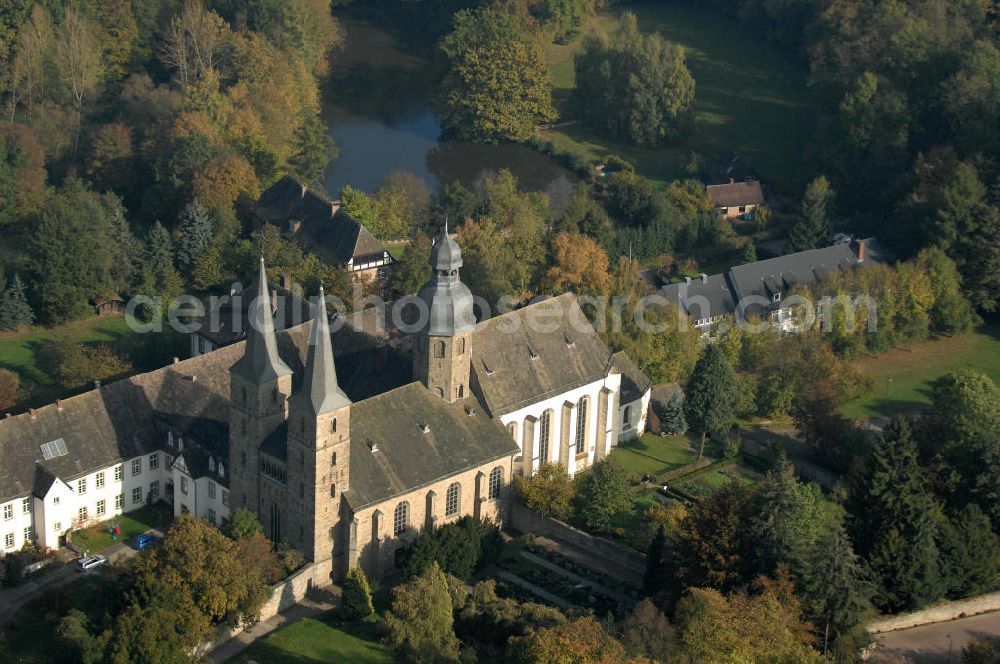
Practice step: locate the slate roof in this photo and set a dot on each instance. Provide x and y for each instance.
(702, 299)
(734, 194)
(229, 321)
(324, 229)
(515, 363)
(778, 275)
(129, 417)
(764, 279)
(261, 362)
(634, 381)
(320, 392)
(406, 458)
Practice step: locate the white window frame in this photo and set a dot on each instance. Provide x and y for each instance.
(101, 507)
(137, 495)
(137, 466)
(99, 480)
(453, 499)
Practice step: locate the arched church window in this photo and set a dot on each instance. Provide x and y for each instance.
(400, 518)
(461, 391)
(627, 418)
(333, 426)
(333, 490)
(441, 392)
(461, 346)
(439, 349)
(544, 434)
(496, 482)
(581, 425)
(452, 499)
(333, 459)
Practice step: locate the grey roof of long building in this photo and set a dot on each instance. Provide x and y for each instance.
(130, 417)
(516, 362)
(634, 381)
(722, 293)
(327, 231)
(702, 299)
(391, 454)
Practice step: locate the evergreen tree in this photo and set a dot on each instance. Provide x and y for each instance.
(711, 395)
(195, 233)
(160, 278)
(15, 312)
(672, 414)
(894, 522)
(652, 582)
(788, 518)
(813, 229)
(834, 586)
(313, 150)
(356, 598)
(750, 253)
(970, 552)
(207, 269)
(126, 251)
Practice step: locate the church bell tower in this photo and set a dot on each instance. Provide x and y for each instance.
(443, 349)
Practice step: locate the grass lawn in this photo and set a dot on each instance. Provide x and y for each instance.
(315, 640)
(901, 378)
(653, 455)
(134, 523)
(750, 97)
(22, 353)
(397, 249)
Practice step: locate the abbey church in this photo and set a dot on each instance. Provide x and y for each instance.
(345, 453)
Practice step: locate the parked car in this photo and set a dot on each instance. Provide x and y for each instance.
(143, 542)
(90, 563)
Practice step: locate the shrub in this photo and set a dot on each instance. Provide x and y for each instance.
(356, 600)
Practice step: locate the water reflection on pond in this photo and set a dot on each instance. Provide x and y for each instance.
(378, 114)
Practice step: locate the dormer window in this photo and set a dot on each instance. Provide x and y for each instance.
(569, 342)
(777, 297)
(532, 354)
(486, 367)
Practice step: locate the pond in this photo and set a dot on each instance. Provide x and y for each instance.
(378, 111)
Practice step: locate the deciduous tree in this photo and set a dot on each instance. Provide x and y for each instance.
(419, 626)
(497, 83)
(548, 492)
(579, 265)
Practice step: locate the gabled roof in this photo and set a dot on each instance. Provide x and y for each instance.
(734, 194)
(323, 228)
(130, 417)
(404, 456)
(536, 352)
(777, 275)
(702, 299)
(634, 382)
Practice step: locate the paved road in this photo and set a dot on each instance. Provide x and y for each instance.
(929, 644)
(12, 599)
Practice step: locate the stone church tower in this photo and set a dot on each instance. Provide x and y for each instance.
(443, 349)
(260, 383)
(319, 431)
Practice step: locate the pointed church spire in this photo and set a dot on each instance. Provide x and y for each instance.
(260, 362)
(320, 393)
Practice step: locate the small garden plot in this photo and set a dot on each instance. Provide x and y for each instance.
(98, 538)
(705, 483)
(654, 455)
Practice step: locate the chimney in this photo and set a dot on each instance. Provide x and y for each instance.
(732, 180)
(32, 413)
(97, 384)
(274, 300)
(704, 278)
(304, 190)
(861, 250)
(59, 406)
(176, 360)
(334, 207)
(8, 416)
(286, 281)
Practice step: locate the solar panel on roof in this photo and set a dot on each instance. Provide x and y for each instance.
(53, 449)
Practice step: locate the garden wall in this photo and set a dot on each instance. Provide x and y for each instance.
(942, 612)
(284, 594)
(612, 558)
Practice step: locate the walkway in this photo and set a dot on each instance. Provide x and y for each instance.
(931, 644)
(319, 602)
(13, 599)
